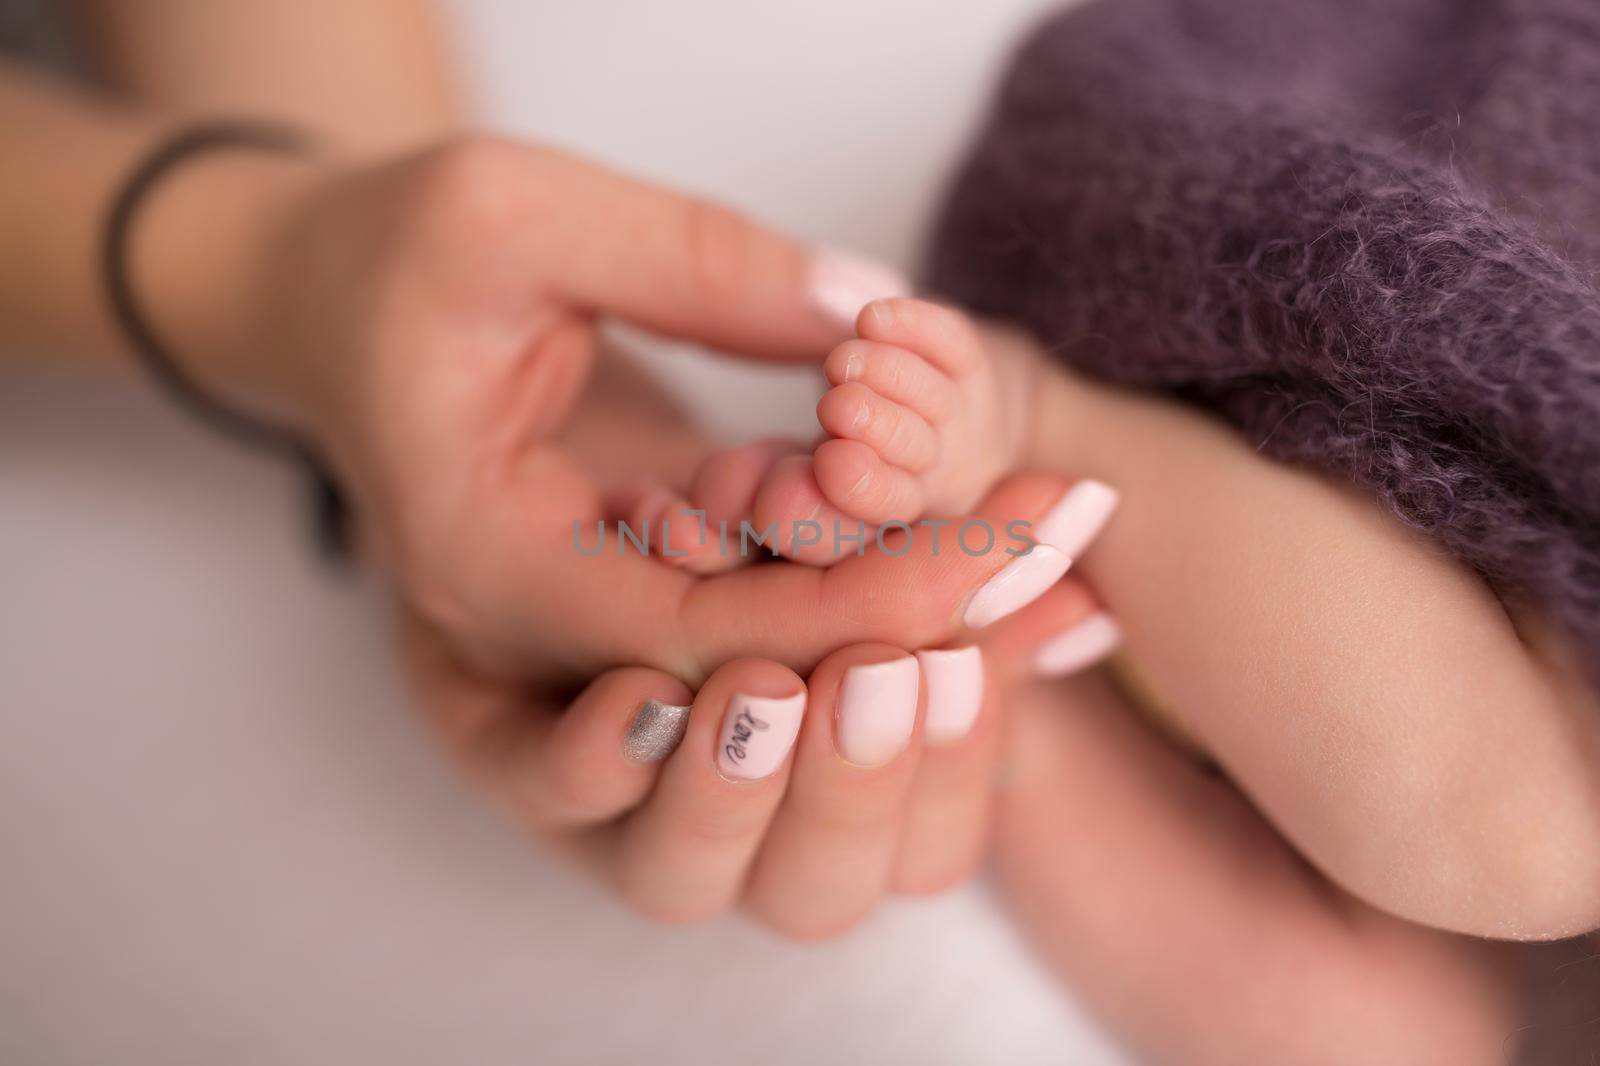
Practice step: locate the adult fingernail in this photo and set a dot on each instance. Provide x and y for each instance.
(1079, 647)
(757, 733)
(954, 677)
(842, 283)
(1064, 531)
(656, 731)
(877, 710)
(1073, 523)
(1023, 580)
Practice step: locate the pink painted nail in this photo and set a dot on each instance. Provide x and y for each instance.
(1073, 523)
(1065, 530)
(757, 733)
(842, 283)
(1023, 580)
(954, 677)
(877, 710)
(1079, 647)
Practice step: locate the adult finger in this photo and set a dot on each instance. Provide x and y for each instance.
(1061, 632)
(947, 804)
(947, 815)
(918, 588)
(686, 267)
(683, 855)
(554, 768)
(828, 856)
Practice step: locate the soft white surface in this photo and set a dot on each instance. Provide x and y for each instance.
(223, 838)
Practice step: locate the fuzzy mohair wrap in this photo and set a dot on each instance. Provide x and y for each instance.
(1364, 231)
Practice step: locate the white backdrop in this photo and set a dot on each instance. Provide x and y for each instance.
(224, 839)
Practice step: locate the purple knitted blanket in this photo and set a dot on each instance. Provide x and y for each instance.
(1364, 231)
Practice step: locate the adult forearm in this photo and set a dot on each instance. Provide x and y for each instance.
(65, 150)
(362, 77)
(372, 75)
(199, 244)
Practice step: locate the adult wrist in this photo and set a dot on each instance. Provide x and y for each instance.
(206, 260)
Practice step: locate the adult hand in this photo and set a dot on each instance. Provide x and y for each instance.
(429, 321)
(811, 839)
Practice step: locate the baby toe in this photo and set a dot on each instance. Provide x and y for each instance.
(792, 514)
(853, 478)
(684, 538)
(895, 374)
(898, 434)
(942, 335)
(725, 484)
(723, 492)
(655, 519)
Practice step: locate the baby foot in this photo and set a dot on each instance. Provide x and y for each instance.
(926, 413)
(924, 416)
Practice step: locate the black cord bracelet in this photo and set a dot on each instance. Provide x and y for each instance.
(329, 511)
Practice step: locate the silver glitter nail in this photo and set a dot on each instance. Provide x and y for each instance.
(656, 731)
